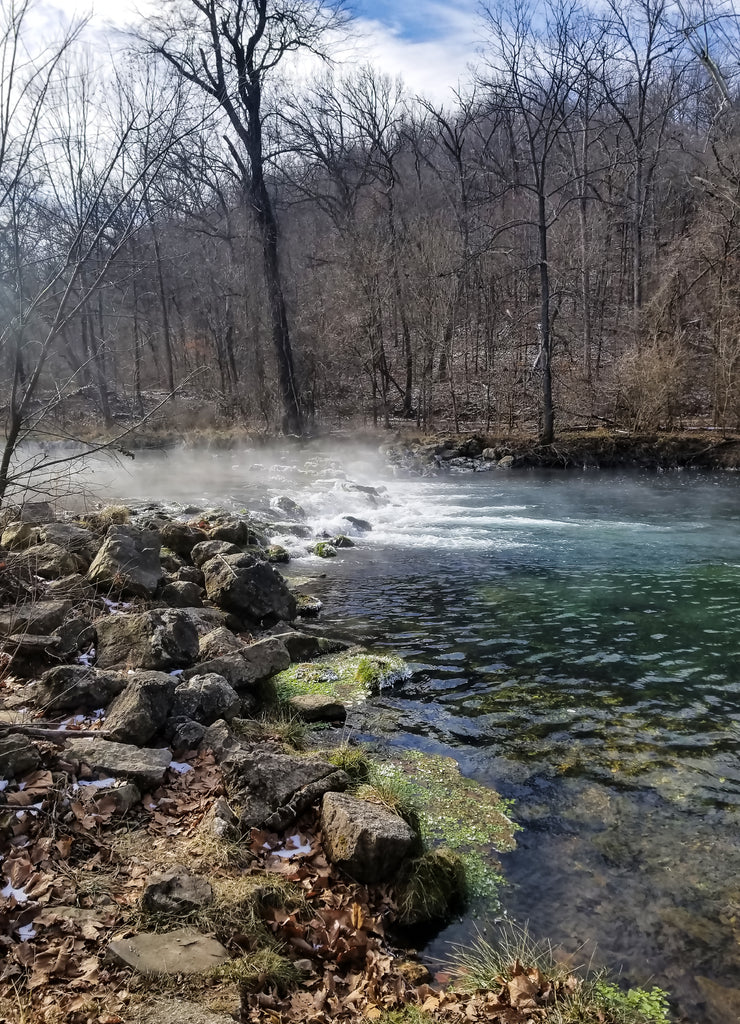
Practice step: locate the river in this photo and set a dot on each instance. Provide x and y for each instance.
(575, 640)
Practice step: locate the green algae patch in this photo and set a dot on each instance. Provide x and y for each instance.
(453, 812)
(349, 677)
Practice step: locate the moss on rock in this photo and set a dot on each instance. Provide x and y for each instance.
(347, 677)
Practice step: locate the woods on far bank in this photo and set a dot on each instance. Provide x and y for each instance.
(227, 212)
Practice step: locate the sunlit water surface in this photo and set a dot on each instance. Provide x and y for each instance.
(576, 643)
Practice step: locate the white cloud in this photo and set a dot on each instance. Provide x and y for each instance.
(433, 63)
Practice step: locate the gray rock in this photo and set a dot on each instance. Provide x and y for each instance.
(144, 766)
(125, 795)
(141, 710)
(204, 620)
(75, 587)
(180, 594)
(34, 512)
(191, 574)
(307, 606)
(170, 561)
(248, 588)
(506, 463)
(184, 951)
(342, 541)
(277, 554)
(231, 531)
(19, 536)
(186, 734)
(48, 561)
(176, 891)
(221, 740)
(181, 538)
(263, 659)
(35, 617)
(489, 454)
(18, 755)
(313, 707)
(365, 840)
(359, 524)
(217, 643)
(273, 788)
(77, 687)
(161, 639)
(128, 562)
(75, 635)
(208, 549)
(82, 543)
(206, 698)
(288, 507)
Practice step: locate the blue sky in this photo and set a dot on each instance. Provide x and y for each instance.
(429, 43)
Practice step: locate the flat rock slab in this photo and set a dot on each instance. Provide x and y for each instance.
(143, 765)
(184, 951)
(174, 1011)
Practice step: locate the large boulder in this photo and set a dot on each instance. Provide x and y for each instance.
(248, 588)
(128, 562)
(161, 639)
(141, 710)
(367, 841)
(206, 699)
(49, 561)
(246, 665)
(35, 617)
(273, 788)
(143, 765)
(78, 688)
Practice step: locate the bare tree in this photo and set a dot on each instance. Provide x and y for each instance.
(230, 49)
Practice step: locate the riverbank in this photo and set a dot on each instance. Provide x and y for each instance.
(702, 450)
(87, 826)
(181, 805)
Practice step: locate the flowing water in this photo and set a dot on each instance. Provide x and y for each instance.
(576, 645)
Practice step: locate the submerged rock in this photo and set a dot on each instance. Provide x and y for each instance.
(367, 841)
(349, 676)
(324, 549)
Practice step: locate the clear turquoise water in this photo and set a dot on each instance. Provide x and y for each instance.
(576, 644)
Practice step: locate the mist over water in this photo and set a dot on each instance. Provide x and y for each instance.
(576, 644)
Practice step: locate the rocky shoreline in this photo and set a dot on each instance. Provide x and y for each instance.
(476, 453)
(180, 801)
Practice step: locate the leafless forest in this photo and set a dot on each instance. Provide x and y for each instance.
(223, 212)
